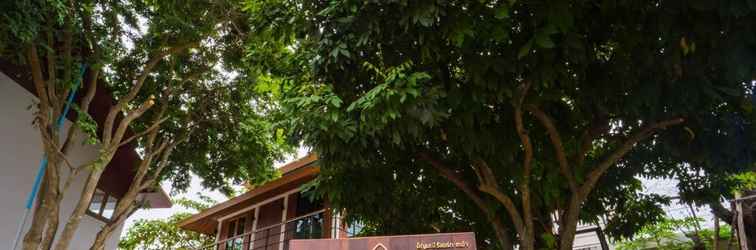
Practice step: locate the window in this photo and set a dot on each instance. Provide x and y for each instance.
(309, 218)
(310, 227)
(354, 229)
(102, 205)
(235, 229)
(305, 205)
(109, 208)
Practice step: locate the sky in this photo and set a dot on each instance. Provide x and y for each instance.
(162, 213)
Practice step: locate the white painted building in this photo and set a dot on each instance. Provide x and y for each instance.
(20, 154)
(590, 237)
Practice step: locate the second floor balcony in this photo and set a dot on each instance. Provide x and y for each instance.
(274, 237)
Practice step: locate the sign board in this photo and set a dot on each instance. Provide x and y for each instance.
(444, 241)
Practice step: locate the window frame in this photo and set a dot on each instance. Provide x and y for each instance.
(103, 203)
(232, 231)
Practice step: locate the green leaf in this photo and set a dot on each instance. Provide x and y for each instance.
(335, 101)
(502, 12)
(345, 53)
(544, 41)
(424, 20)
(86, 124)
(525, 49)
(550, 240)
(500, 33)
(347, 19)
(335, 53)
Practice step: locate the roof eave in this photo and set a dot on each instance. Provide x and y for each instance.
(208, 216)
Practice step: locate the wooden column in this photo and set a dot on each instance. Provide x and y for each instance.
(283, 223)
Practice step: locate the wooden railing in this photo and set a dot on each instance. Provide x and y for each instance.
(272, 237)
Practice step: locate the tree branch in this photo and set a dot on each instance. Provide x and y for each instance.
(51, 69)
(68, 46)
(528, 236)
(598, 126)
(721, 212)
(131, 116)
(165, 159)
(89, 35)
(490, 186)
(556, 141)
(152, 128)
(71, 176)
(39, 84)
(450, 175)
(138, 83)
(94, 73)
(628, 145)
(157, 119)
(151, 64)
(569, 223)
(83, 107)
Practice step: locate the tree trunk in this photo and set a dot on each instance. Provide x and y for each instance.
(87, 192)
(721, 212)
(120, 212)
(134, 189)
(716, 233)
(107, 230)
(110, 142)
(33, 236)
(502, 234)
(52, 225)
(45, 218)
(46, 213)
(568, 225)
(52, 229)
(101, 238)
(128, 204)
(53, 199)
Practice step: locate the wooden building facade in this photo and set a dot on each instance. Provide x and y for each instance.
(268, 217)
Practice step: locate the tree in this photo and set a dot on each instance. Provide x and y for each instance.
(167, 66)
(671, 234)
(513, 117)
(164, 233)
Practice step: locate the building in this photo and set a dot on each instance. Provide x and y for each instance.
(21, 151)
(590, 237)
(745, 216)
(270, 216)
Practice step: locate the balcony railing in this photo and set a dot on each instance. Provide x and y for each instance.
(270, 238)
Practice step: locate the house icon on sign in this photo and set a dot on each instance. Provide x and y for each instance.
(380, 246)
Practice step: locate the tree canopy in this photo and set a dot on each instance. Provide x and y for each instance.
(512, 117)
(180, 98)
(671, 234)
(231, 141)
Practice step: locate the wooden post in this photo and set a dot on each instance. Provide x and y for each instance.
(282, 237)
(254, 228)
(742, 238)
(716, 233)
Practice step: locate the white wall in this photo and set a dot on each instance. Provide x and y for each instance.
(588, 240)
(20, 154)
